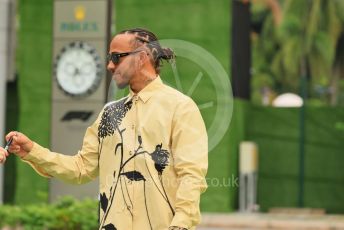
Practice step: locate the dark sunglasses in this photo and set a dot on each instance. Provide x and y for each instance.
(115, 57)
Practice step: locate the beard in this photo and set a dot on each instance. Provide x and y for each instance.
(122, 81)
(124, 74)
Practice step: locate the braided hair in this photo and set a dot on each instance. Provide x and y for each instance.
(143, 37)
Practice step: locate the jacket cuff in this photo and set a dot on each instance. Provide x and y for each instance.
(181, 220)
(34, 157)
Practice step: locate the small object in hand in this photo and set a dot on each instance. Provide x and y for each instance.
(8, 144)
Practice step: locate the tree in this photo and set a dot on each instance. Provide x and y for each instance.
(310, 32)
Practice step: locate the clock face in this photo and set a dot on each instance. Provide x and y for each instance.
(78, 69)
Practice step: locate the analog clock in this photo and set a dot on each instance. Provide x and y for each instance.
(78, 69)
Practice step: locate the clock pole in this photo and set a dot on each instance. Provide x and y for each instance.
(80, 43)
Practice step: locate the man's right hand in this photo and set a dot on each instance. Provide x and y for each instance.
(21, 144)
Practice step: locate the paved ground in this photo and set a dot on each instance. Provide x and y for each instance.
(266, 221)
(216, 229)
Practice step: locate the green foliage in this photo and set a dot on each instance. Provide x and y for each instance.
(67, 213)
(308, 33)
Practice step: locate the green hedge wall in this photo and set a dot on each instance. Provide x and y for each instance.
(276, 131)
(34, 73)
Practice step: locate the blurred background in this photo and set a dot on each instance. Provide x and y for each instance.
(285, 62)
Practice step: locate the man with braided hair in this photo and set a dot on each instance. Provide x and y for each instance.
(149, 148)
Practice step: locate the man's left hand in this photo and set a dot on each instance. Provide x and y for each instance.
(176, 228)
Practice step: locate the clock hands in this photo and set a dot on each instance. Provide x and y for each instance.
(78, 69)
(77, 77)
(79, 72)
(76, 72)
